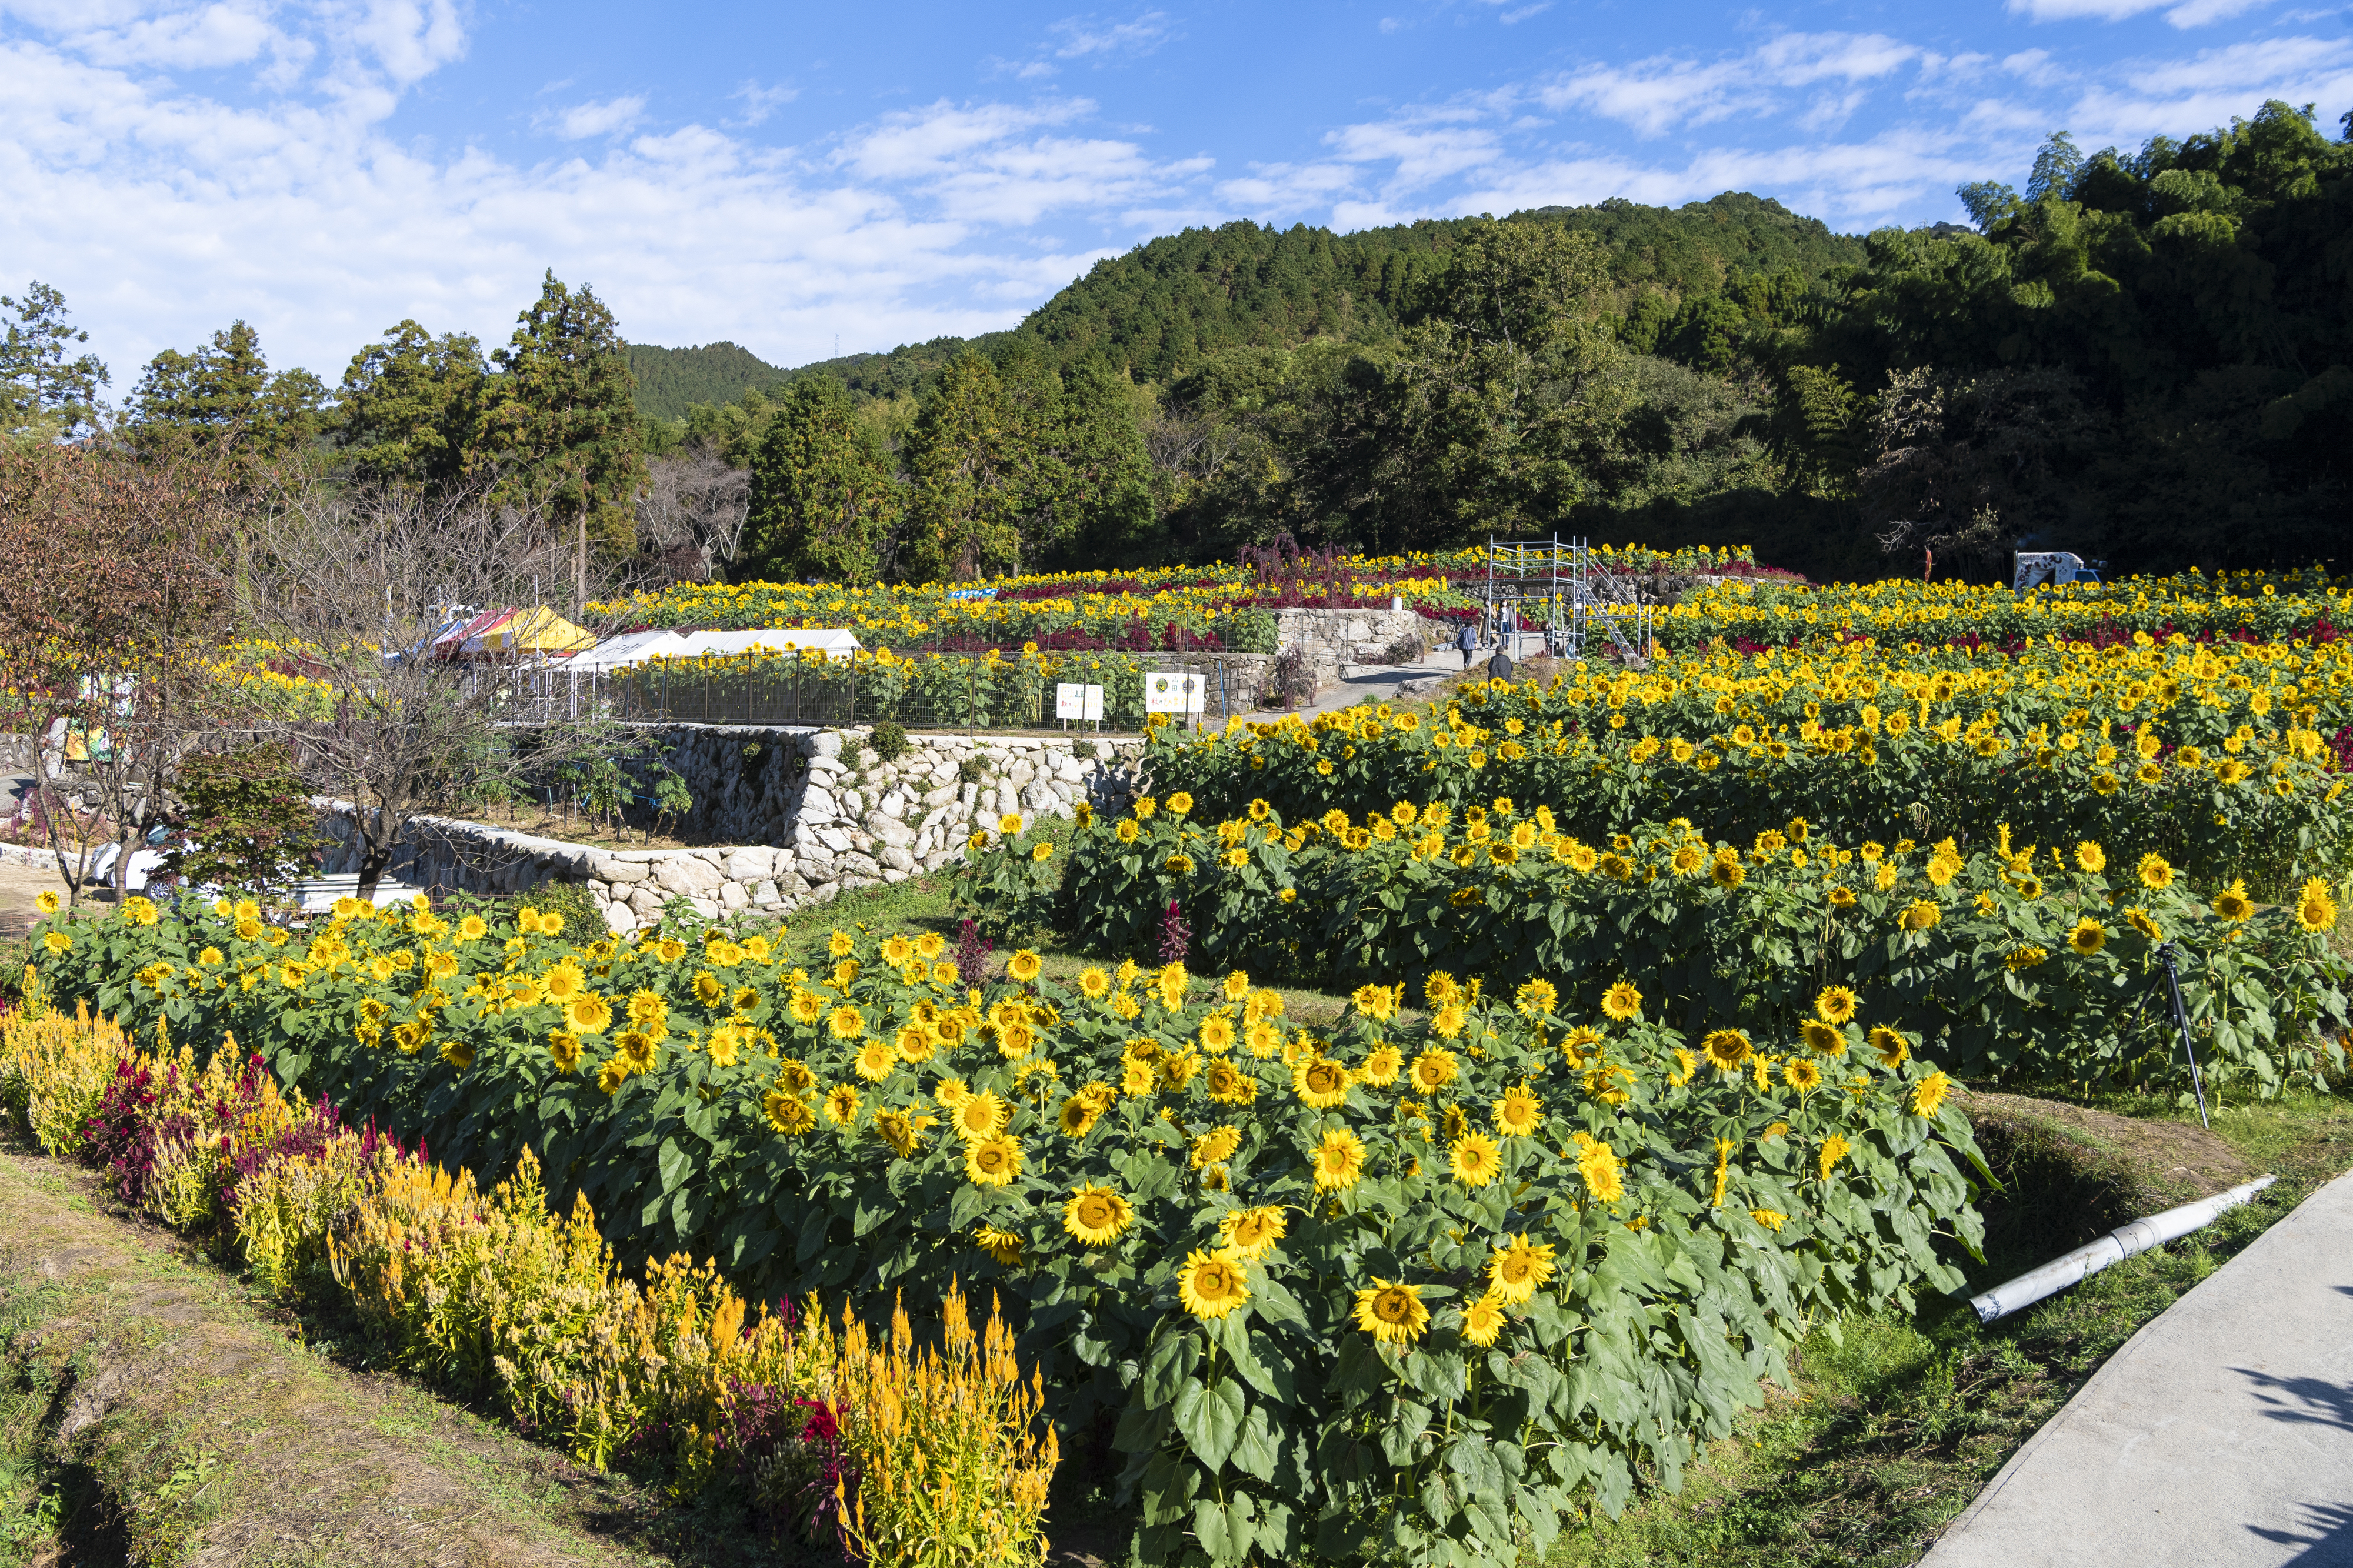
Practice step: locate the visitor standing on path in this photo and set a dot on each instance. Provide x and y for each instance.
(1468, 641)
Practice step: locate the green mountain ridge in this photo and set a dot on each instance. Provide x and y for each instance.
(1164, 307)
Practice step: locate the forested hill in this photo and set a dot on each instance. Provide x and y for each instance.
(671, 380)
(1172, 302)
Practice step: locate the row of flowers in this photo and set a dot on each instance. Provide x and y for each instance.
(2225, 760)
(1382, 1287)
(874, 1439)
(2018, 958)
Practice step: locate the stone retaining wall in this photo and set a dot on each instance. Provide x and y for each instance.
(814, 812)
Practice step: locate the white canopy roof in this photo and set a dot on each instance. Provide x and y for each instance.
(836, 642)
(628, 649)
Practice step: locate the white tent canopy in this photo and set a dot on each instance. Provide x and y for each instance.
(628, 649)
(834, 644)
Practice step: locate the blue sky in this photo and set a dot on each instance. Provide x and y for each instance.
(783, 176)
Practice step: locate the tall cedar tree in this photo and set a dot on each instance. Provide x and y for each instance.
(405, 413)
(1110, 469)
(44, 394)
(226, 397)
(823, 503)
(1494, 412)
(559, 424)
(962, 523)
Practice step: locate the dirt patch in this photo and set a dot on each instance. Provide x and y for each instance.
(214, 1440)
(2071, 1174)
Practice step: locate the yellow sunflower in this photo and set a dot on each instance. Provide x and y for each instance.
(1482, 1320)
(1621, 1003)
(2088, 937)
(1725, 1049)
(1893, 1049)
(1024, 966)
(2316, 906)
(1836, 1005)
(1215, 1146)
(1339, 1161)
(976, 1116)
(1251, 1233)
(1321, 1082)
(2233, 903)
(1519, 1113)
(842, 1105)
(1229, 1085)
(993, 1162)
(787, 1114)
(1393, 1314)
(1800, 1074)
(1928, 1097)
(1517, 1271)
(1433, 1070)
(1474, 1159)
(876, 1059)
(1097, 1215)
(2156, 872)
(1212, 1284)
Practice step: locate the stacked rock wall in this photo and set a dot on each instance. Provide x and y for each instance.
(819, 811)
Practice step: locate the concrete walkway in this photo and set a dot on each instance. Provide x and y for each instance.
(2219, 1437)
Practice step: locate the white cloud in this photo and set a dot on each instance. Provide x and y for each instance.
(583, 120)
(1666, 91)
(1082, 37)
(2187, 13)
(165, 206)
(163, 213)
(759, 102)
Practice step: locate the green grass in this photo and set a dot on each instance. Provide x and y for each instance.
(1895, 1424)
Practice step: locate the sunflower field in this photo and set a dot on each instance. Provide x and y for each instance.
(1372, 1289)
(2018, 957)
(2243, 605)
(2224, 760)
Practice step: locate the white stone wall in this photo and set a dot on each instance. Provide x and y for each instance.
(850, 820)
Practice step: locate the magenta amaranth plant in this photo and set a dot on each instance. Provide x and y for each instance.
(972, 953)
(1176, 936)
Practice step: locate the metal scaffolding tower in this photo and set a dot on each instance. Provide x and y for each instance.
(1559, 584)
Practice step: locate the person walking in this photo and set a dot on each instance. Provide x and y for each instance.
(1511, 629)
(1468, 641)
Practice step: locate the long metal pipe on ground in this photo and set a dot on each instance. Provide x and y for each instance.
(2114, 1247)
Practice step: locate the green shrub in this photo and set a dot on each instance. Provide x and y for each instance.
(973, 769)
(1085, 751)
(250, 822)
(889, 741)
(584, 918)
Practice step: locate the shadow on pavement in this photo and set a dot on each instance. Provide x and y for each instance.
(2307, 1401)
(2326, 1535)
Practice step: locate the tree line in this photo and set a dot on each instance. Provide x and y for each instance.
(545, 425)
(2146, 356)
